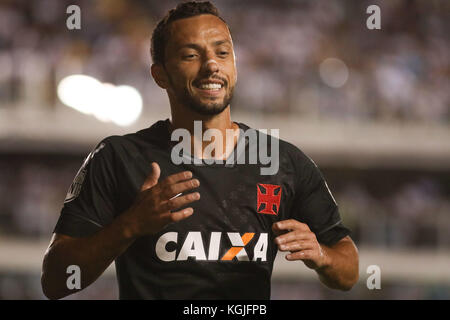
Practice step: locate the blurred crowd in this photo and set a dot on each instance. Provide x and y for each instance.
(398, 73)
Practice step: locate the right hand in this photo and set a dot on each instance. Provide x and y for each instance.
(154, 205)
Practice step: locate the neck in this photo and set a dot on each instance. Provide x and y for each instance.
(184, 118)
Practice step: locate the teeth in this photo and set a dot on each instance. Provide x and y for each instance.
(211, 86)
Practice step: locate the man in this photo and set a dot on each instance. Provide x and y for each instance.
(189, 230)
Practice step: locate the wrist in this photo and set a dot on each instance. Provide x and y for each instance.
(325, 261)
(127, 226)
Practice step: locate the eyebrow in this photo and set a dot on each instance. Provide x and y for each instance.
(196, 46)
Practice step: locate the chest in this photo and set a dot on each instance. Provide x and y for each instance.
(232, 220)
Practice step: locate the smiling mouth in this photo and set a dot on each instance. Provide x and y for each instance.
(210, 89)
(210, 86)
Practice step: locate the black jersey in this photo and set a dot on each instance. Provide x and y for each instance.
(226, 249)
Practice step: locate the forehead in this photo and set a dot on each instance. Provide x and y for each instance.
(196, 29)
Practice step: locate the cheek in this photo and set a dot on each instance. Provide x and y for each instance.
(235, 78)
(232, 71)
(182, 74)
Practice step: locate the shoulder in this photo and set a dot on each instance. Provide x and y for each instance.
(289, 153)
(132, 143)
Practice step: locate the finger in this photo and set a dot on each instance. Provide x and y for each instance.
(300, 255)
(176, 216)
(296, 246)
(290, 224)
(175, 178)
(175, 203)
(292, 236)
(278, 233)
(173, 190)
(152, 178)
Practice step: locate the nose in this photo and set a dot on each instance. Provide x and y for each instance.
(211, 65)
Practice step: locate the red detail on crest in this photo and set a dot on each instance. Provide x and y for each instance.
(268, 198)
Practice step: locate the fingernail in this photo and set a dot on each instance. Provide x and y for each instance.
(188, 211)
(188, 174)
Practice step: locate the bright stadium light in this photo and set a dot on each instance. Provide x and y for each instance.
(121, 105)
(333, 72)
(79, 92)
(127, 107)
(103, 109)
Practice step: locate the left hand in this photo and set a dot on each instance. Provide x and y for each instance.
(301, 242)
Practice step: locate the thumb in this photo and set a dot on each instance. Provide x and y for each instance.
(152, 178)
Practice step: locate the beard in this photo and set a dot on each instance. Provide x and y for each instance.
(195, 104)
(207, 108)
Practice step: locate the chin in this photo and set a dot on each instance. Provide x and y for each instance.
(210, 106)
(208, 109)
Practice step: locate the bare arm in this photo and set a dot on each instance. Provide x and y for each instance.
(91, 254)
(341, 266)
(337, 266)
(152, 210)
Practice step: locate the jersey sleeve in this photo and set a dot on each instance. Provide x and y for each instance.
(90, 201)
(314, 204)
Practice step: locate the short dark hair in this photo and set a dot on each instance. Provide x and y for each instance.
(182, 10)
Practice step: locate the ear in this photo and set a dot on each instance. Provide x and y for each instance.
(159, 75)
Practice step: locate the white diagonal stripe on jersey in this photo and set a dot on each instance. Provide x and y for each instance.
(235, 239)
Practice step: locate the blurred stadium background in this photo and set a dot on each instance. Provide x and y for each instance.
(371, 107)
